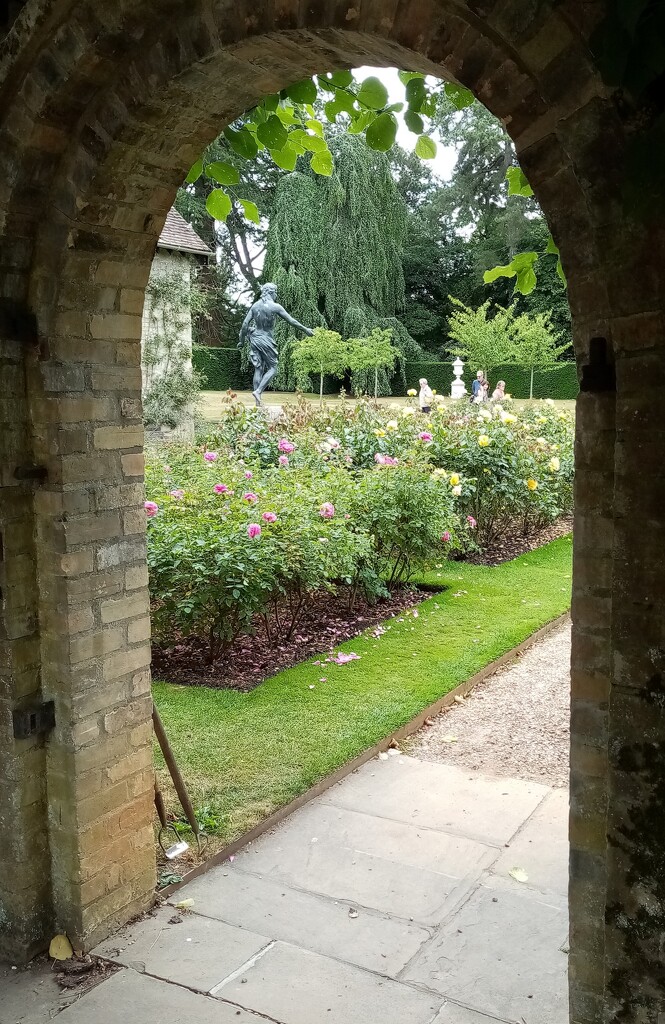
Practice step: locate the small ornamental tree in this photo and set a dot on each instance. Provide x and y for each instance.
(481, 341)
(536, 343)
(323, 353)
(375, 352)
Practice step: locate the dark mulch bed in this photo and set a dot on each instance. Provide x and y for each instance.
(508, 547)
(327, 623)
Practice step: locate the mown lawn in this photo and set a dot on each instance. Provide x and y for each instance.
(246, 754)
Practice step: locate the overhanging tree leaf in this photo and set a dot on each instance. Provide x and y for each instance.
(414, 122)
(195, 172)
(285, 158)
(222, 173)
(373, 94)
(526, 281)
(407, 76)
(218, 204)
(416, 93)
(425, 148)
(314, 126)
(250, 210)
(517, 183)
(242, 142)
(302, 92)
(322, 163)
(342, 79)
(382, 132)
(458, 95)
(272, 133)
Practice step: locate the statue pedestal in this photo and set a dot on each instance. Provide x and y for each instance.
(457, 389)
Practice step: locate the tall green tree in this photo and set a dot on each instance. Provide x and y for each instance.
(334, 250)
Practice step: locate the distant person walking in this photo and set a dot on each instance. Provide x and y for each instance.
(426, 396)
(499, 392)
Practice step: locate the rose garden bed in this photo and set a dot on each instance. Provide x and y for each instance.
(271, 543)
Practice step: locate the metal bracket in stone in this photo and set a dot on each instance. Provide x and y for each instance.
(34, 721)
(598, 374)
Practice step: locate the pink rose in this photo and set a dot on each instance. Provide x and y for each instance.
(167, 469)
(151, 508)
(283, 460)
(253, 530)
(210, 456)
(327, 510)
(445, 536)
(472, 522)
(425, 435)
(346, 515)
(250, 497)
(286, 446)
(220, 489)
(177, 493)
(380, 459)
(269, 517)
(248, 475)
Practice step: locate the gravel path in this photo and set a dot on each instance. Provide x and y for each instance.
(516, 723)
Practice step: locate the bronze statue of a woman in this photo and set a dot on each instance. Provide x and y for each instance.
(263, 353)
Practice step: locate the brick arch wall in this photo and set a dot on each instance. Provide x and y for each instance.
(103, 108)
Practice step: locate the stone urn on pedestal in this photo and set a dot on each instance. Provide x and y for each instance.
(457, 388)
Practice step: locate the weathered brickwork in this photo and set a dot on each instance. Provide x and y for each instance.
(103, 108)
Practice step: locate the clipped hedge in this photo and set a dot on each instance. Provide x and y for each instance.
(558, 382)
(222, 370)
(439, 377)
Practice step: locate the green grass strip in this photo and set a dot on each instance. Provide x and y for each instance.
(246, 754)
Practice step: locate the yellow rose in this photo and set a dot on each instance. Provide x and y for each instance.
(554, 465)
(454, 479)
(532, 484)
(392, 425)
(483, 440)
(434, 391)
(408, 410)
(412, 392)
(541, 419)
(379, 433)
(507, 417)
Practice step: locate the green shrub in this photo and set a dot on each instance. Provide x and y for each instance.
(406, 512)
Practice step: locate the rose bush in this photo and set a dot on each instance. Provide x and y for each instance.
(345, 498)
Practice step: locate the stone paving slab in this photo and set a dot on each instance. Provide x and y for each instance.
(295, 986)
(541, 848)
(370, 940)
(500, 955)
(362, 880)
(199, 953)
(131, 998)
(413, 845)
(483, 808)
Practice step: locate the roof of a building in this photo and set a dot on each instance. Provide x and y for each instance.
(178, 234)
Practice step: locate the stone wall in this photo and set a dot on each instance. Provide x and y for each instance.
(161, 331)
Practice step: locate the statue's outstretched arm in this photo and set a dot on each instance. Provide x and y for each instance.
(245, 324)
(291, 320)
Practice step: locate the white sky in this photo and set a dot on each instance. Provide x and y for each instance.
(444, 161)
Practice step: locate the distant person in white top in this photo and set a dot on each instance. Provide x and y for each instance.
(499, 392)
(426, 397)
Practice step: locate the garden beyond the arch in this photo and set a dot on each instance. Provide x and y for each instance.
(307, 545)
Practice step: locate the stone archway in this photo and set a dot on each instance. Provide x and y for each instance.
(103, 108)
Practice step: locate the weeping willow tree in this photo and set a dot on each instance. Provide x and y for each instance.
(334, 250)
